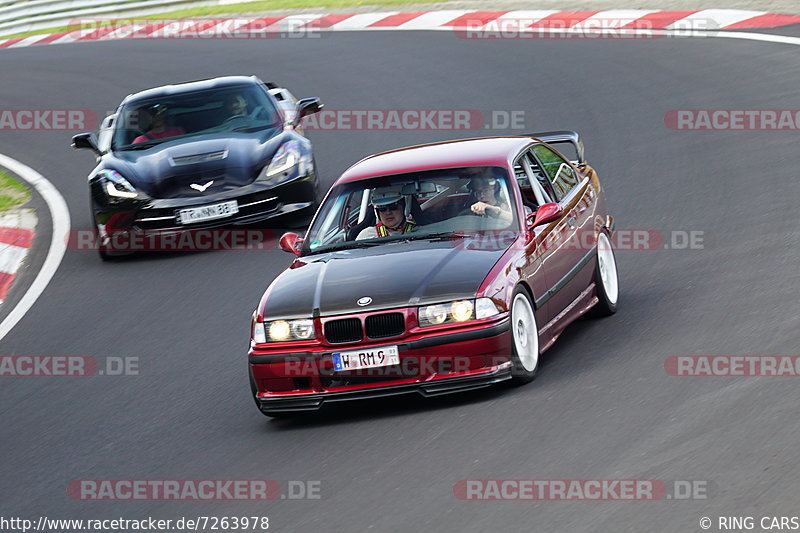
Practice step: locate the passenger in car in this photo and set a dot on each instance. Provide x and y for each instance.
(156, 115)
(390, 209)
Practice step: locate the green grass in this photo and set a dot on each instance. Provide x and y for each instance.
(12, 192)
(236, 9)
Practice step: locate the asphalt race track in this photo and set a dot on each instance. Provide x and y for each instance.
(602, 407)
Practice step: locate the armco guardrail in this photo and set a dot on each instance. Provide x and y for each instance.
(30, 15)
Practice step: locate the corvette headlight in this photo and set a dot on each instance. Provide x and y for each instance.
(283, 330)
(116, 186)
(458, 311)
(285, 158)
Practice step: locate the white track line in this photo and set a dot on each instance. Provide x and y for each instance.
(58, 241)
(691, 34)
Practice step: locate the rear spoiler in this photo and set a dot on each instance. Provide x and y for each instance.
(560, 137)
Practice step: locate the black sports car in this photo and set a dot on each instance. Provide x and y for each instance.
(201, 155)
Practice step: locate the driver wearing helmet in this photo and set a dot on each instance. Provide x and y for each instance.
(390, 212)
(158, 128)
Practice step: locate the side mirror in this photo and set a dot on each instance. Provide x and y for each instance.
(291, 242)
(546, 214)
(306, 106)
(86, 140)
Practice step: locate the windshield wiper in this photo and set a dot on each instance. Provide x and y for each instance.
(439, 236)
(251, 129)
(346, 246)
(139, 146)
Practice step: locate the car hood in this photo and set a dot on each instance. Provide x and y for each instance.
(393, 275)
(168, 169)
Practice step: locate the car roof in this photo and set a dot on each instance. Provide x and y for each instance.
(486, 151)
(190, 86)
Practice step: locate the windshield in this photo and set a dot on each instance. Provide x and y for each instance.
(421, 205)
(145, 123)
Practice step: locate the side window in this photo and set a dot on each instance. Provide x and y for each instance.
(352, 210)
(541, 183)
(559, 172)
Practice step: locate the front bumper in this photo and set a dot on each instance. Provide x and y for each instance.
(435, 365)
(256, 203)
(433, 387)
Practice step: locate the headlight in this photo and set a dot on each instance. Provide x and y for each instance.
(485, 308)
(283, 330)
(459, 311)
(115, 185)
(259, 335)
(285, 158)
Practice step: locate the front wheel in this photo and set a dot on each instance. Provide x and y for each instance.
(606, 278)
(524, 337)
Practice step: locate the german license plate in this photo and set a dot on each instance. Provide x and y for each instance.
(207, 212)
(367, 358)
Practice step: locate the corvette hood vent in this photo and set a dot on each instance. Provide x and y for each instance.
(199, 158)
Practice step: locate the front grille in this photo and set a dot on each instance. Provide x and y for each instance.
(385, 325)
(344, 330)
(249, 204)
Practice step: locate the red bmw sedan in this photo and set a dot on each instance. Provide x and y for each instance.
(435, 269)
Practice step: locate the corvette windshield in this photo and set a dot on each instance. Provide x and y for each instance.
(144, 123)
(433, 204)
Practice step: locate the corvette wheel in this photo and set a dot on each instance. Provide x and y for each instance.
(101, 248)
(606, 278)
(525, 338)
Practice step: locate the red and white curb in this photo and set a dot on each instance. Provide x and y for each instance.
(59, 232)
(703, 19)
(17, 230)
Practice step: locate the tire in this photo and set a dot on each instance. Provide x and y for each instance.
(101, 249)
(606, 278)
(524, 338)
(106, 253)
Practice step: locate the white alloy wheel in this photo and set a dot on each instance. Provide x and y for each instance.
(525, 335)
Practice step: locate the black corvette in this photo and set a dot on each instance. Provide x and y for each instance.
(200, 155)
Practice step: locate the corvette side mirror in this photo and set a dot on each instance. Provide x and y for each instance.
(545, 214)
(306, 106)
(291, 242)
(86, 140)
